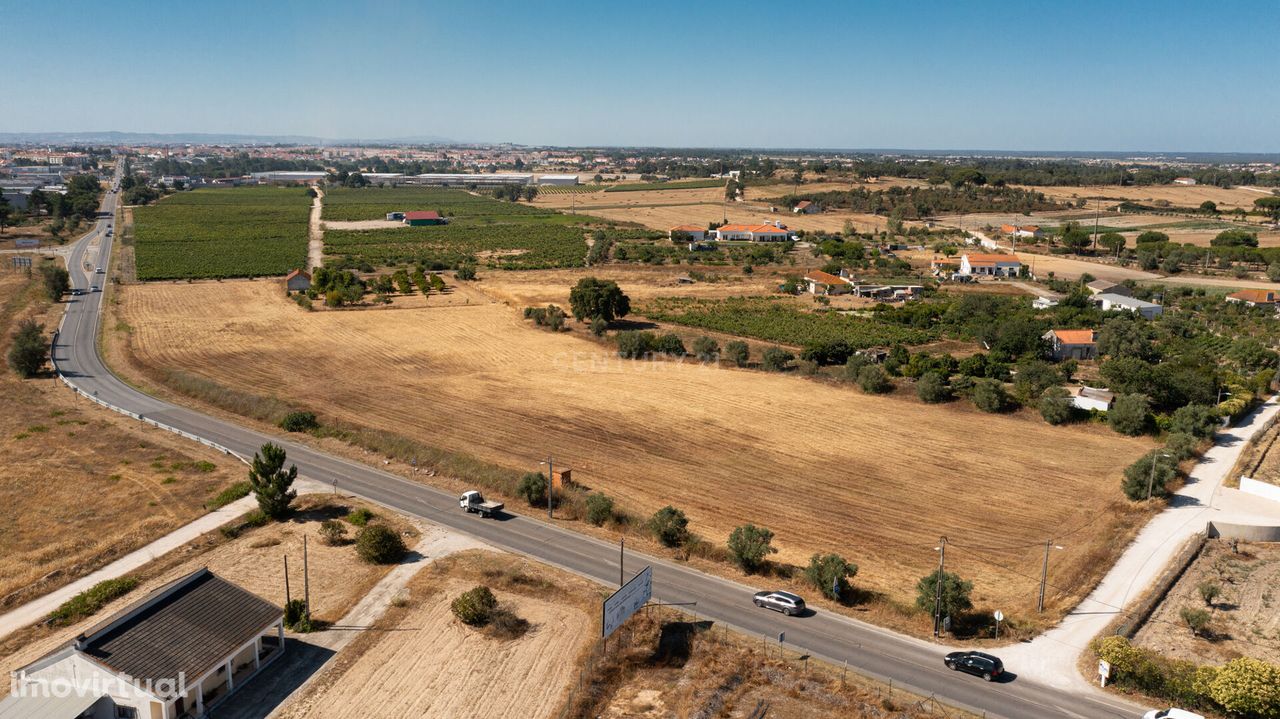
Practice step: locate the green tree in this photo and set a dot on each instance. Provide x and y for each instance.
(1209, 592)
(874, 380)
(955, 594)
(29, 350)
(1126, 335)
(475, 606)
(670, 344)
(533, 487)
(749, 545)
(599, 508)
(634, 344)
(932, 387)
(271, 483)
(5, 211)
(1152, 472)
(379, 544)
(670, 526)
(1130, 414)
(1270, 206)
(989, 396)
(593, 297)
(706, 349)
(737, 352)
(1113, 241)
(1074, 237)
(830, 574)
(57, 282)
(1151, 237)
(1209, 206)
(1235, 238)
(1197, 420)
(1034, 376)
(599, 326)
(776, 359)
(1055, 406)
(1248, 687)
(1197, 620)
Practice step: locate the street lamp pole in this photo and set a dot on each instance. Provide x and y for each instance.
(937, 600)
(1044, 572)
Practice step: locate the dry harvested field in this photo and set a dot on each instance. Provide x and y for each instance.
(58, 451)
(1179, 195)
(424, 662)
(254, 560)
(1245, 619)
(522, 288)
(887, 474)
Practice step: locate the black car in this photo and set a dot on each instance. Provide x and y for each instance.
(976, 663)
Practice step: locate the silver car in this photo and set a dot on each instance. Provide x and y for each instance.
(785, 602)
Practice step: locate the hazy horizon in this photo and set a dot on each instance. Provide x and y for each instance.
(997, 76)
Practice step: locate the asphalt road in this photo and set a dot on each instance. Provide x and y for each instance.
(910, 663)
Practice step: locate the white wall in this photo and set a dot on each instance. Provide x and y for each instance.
(1260, 489)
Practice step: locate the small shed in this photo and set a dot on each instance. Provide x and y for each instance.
(419, 219)
(297, 281)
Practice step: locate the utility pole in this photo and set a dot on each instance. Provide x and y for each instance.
(306, 580)
(551, 489)
(1044, 572)
(286, 580)
(622, 549)
(1097, 211)
(937, 601)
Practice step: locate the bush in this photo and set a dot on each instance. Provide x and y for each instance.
(955, 594)
(1139, 476)
(633, 344)
(599, 509)
(989, 396)
(91, 600)
(1197, 420)
(1209, 592)
(359, 516)
(1181, 445)
(749, 545)
(1248, 687)
(475, 606)
(295, 616)
(1197, 620)
(874, 380)
(830, 573)
(670, 526)
(379, 544)
(737, 352)
(599, 326)
(504, 624)
(332, 532)
(533, 487)
(1055, 406)
(670, 344)
(466, 272)
(29, 350)
(236, 491)
(299, 422)
(1131, 414)
(706, 349)
(776, 359)
(932, 387)
(854, 365)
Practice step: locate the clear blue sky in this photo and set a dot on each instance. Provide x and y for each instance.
(924, 74)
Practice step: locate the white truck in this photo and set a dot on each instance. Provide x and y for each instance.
(473, 501)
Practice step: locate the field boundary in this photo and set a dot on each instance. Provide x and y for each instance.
(1177, 566)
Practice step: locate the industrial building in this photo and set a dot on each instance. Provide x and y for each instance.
(288, 176)
(465, 179)
(558, 180)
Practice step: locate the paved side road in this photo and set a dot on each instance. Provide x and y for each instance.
(913, 664)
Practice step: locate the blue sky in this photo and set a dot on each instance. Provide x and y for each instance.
(1016, 75)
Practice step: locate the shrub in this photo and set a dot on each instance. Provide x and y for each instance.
(1209, 592)
(1196, 619)
(533, 487)
(599, 509)
(1181, 445)
(1248, 687)
(1197, 420)
(1130, 414)
(932, 387)
(776, 359)
(989, 396)
(504, 624)
(599, 326)
(874, 380)
(634, 344)
(955, 594)
(1055, 406)
(359, 516)
(89, 601)
(466, 272)
(670, 526)
(332, 532)
(1140, 476)
(295, 616)
(299, 422)
(706, 349)
(853, 366)
(227, 496)
(749, 545)
(379, 544)
(475, 606)
(737, 352)
(29, 350)
(830, 573)
(670, 344)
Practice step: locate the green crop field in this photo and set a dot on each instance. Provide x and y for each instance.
(231, 232)
(568, 189)
(779, 321)
(481, 230)
(677, 185)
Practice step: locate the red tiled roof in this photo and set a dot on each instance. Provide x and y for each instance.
(1255, 296)
(687, 228)
(803, 204)
(753, 228)
(422, 215)
(1075, 337)
(825, 278)
(298, 273)
(992, 259)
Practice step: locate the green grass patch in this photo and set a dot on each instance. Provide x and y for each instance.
(239, 490)
(90, 601)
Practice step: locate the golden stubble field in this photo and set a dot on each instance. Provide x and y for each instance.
(828, 468)
(1179, 195)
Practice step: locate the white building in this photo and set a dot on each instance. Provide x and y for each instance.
(1184, 181)
(178, 652)
(1117, 303)
(753, 233)
(288, 176)
(990, 265)
(1090, 398)
(558, 180)
(464, 179)
(690, 232)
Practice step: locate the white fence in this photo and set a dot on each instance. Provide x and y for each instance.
(1252, 486)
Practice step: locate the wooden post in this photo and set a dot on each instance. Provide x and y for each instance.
(286, 580)
(306, 580)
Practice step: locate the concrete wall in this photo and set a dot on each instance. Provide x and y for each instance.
(1246, 532)
(1260, 489)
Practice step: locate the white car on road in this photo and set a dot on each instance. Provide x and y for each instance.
(1171, 714)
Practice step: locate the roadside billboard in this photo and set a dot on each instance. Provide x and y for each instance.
(626, 601)
(26, 242)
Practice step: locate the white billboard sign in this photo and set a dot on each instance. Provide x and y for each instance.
(626, 601)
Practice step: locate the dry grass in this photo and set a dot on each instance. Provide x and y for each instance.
(83, 486)
(1178, 195)
(421, 661)
(882, 476)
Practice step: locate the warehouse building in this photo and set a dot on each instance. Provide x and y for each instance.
(558, 180)
(288, 176)
(465, 179)
(420, 219)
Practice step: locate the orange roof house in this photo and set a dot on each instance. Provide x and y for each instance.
(1072, 344)
(1254, 298)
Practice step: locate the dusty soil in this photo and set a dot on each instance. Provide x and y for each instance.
(718, 443)
(255, 561)
(421, 661)
(1245, 617)
(361, 224)
(82, 485)
(1178, 195)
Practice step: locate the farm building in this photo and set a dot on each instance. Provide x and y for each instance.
(1116, 303)
(1088, 398)
(944, 265)
(463, 179)
(990, 265)
(1021, 230)
(288, 176)
(422, 218)
(1254, 298)
(825, 283)
(1184, 181)
(383, 178)
(690, 232)
(1098, 287)
(752, 233)
(1044, 303)
(1072, 344)
(558, 180)
(297, 281)
(178, 652)
(805, 207)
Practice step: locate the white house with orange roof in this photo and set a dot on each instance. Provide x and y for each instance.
(805, 207)
(1255, 298)
(752, 233)
(692, 233)
(1072, 344)
(990, 265)
(1021, 230)
(825, 283)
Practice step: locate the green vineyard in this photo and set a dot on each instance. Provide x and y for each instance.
(779, 321)
(373, 203)
(216, 233)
